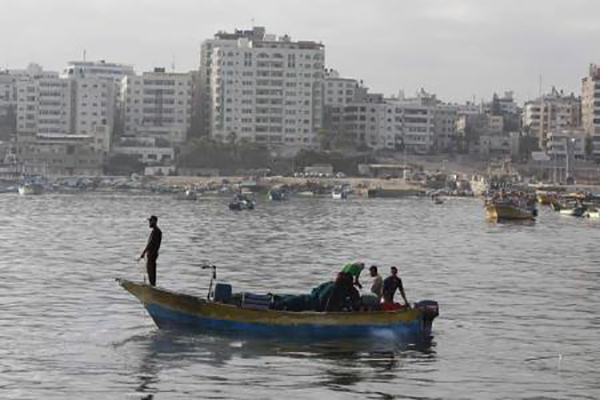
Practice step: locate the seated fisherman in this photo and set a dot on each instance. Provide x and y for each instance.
(377, 285)
(343, 295)
(390, 285)
(354, 270)
(372, 301)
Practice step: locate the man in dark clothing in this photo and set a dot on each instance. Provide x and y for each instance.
(390, 285)
(344, 295)
(151, 250)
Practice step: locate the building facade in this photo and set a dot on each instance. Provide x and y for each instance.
(553, 112)
(395, 123)
(146, 150)
(566, 142)
(59, 155)
(158, 104)
(339, 91)
(590, 108)
(95, 109)
(113, 72)
(44, 104)
(261, 87)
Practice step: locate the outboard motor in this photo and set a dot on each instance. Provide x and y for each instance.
(429, 307)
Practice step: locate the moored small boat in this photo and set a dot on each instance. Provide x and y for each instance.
(27, 189)
(241, 202)
(546, 198)
(578, 211)
(509, 211)
(277, 195)
(339, 193)
(592, 213)
(170, 309)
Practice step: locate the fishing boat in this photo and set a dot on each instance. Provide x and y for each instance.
(592, 213)
(277, 195)
(241, 202)
(172, 310)
(30, 188)
(339, 193)
(546, 198)
(509, 211)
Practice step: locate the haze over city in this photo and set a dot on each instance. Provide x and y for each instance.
(460, 50)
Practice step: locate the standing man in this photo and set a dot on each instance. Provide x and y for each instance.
(390, 285)
(151, 250)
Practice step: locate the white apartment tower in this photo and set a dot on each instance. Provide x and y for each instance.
(158, 104)
(94, 100)
(261, 87)
(48, 104)
(44, 103)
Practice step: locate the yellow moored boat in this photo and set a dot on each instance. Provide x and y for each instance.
(545, 198)
(509, 211)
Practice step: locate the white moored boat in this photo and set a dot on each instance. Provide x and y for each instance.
(26, 189)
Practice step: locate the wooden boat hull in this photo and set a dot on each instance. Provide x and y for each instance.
(509, 212)
(175, 310)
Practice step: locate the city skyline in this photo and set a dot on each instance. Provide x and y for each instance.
(460, 50)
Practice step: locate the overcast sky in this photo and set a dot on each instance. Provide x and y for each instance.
(458, 49)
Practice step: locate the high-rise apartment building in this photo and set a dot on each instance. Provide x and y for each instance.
(261, 87)
(158, 104)
(44, 104)
(590, 108)
(94, 100)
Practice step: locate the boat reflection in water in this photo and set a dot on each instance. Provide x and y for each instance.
(340, 363)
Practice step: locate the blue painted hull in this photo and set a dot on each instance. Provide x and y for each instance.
(166, 318)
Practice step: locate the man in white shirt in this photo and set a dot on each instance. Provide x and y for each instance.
(377, 286)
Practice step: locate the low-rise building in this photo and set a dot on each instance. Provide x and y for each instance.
(60, 155)
(482, 134)
(567, 142)
(148, 150)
